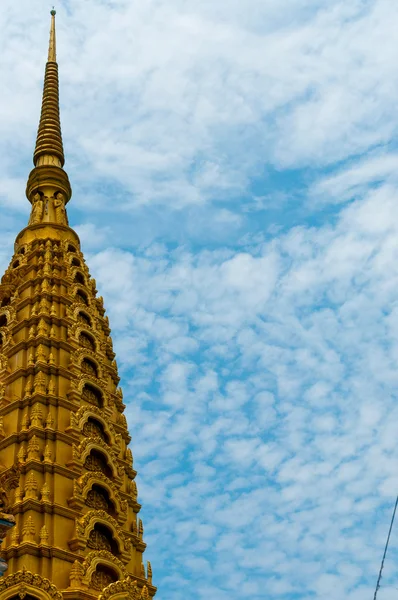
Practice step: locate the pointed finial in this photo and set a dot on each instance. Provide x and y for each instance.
(52, 50)
(48, 177)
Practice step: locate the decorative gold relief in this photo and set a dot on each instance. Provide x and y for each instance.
(98, 541)
(31, 486)
(45, 493)
(29, 530)
(97, 500)
(101, 578)
(43, 535)
(84, 485)
(37, 209)
(76, 575)
(36, 417)
(29, 582)
(126, 589)
(33, 449)
(102, 558)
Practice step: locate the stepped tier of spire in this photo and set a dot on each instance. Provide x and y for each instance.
(66, 470)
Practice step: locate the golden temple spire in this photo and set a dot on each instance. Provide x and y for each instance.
(49, 156)
(66, 469)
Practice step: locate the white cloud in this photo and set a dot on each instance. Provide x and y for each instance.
(282, 421)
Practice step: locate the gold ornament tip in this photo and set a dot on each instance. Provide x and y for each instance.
(52, 53)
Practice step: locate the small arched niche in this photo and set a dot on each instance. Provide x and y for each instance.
(92, 395)
(93, 427)
(101, 538)
(6, 301)
(71, 248)
(87, 341)
(98, 498)
(97, 461)
(89, 368)
(81, 297)
(75, 262)
(83, 319)
(102, 577)
(79, 278)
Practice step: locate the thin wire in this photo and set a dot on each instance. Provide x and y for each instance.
(385, 551)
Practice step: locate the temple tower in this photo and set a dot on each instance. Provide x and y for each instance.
(66, 471)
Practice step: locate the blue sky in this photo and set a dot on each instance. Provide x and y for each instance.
(234, 168)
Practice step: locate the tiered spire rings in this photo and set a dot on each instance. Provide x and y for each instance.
(48, 158)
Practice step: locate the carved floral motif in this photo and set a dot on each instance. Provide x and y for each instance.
(84, 484)
(98, 541)
(96, 500)
(35, 581)
(127, 589)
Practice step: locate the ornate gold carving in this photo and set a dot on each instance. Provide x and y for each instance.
(37, 209)
(40, 383)
(31, 486)
(51, 387)
(89, 444)
(149, 572)
(76, 574)
(98, 541)
(96, 500)
(94, 463)
(2, 431)
(33, 448)
(28, 530)
(47, 454)
(129, 456)
(83, 319)
(89, 368)
(85, 412)
(3, 362)
(83, 486)
(28, 388)
(25, 422)
(21, 454)
(91, 429)
(126, 589)
(29, 579)
(134, 492)
(45, 493)
(15, 537)
(50, 421)
(92, 396)
(18, 495)
(101, 579)
(102, 557)
(43, 535)
(36, 417)
(86, 341)
(140, 529)
(60, 212)
(40, 354)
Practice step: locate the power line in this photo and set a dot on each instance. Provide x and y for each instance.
(385, 550)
